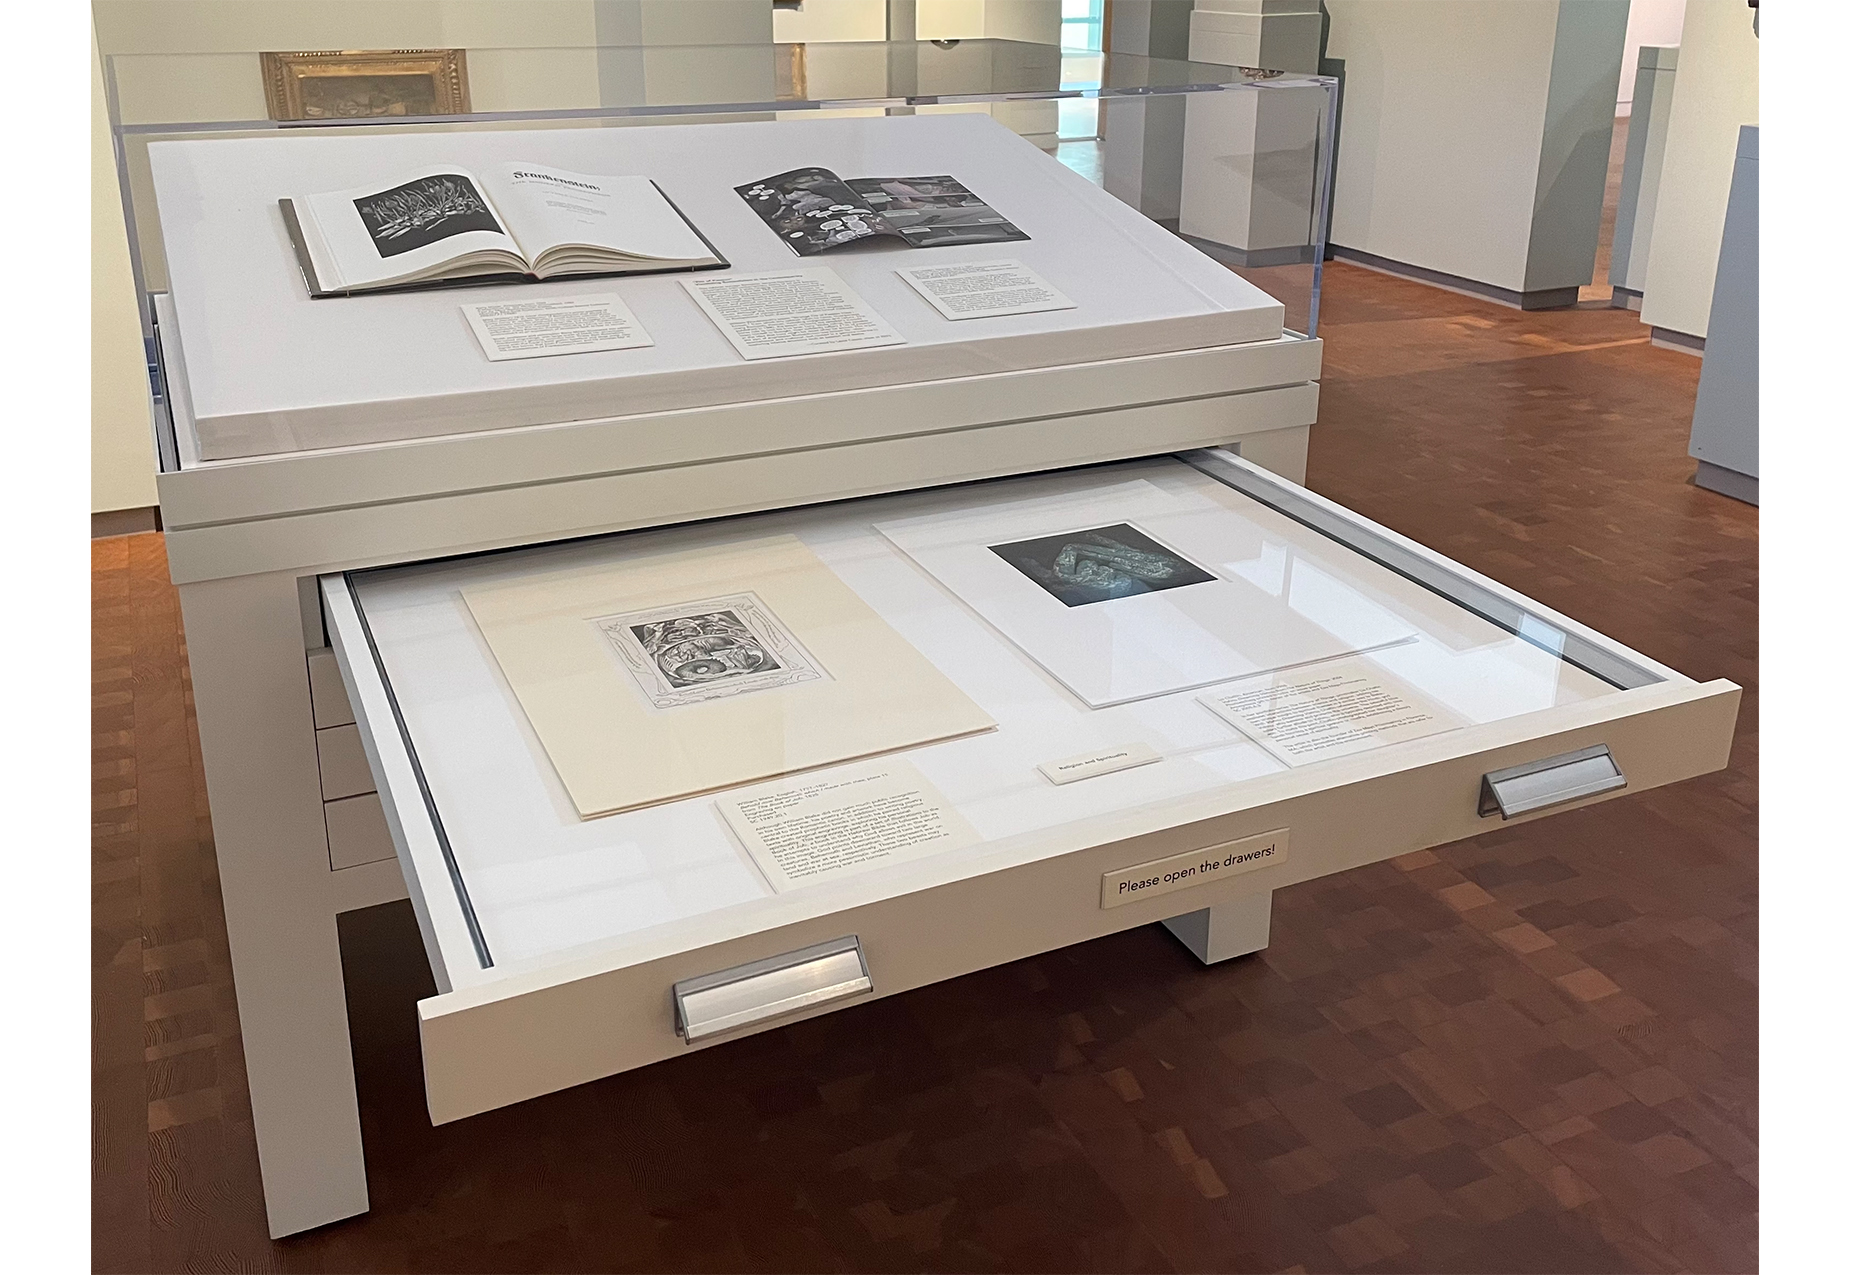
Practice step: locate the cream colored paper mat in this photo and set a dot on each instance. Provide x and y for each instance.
(688, 672)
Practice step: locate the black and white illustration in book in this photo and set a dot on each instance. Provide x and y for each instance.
(1100, 564)
(713, 648)
(424, 212)
(813, 210)
(930, 211)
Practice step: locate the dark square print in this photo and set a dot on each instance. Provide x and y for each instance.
(1083, 567)
(423, 212)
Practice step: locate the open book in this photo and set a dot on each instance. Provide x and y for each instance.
(813, 210)
(444, 226)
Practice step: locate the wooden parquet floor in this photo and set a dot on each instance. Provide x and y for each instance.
(1531, 1051)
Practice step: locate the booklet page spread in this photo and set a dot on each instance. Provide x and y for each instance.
(812, 210)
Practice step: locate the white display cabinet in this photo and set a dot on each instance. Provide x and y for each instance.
(336, 473)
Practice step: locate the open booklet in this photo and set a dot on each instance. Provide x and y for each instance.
(444, 226)
(813, 210)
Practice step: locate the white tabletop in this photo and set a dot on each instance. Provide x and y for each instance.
(271, 370)
(543, 881)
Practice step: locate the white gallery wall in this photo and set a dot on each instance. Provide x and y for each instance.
(828, 21)
(121, 445)
(1475, 135)
(1035, 21)
(1718, 90)
(1655, 22)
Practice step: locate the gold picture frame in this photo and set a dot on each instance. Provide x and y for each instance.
(365, 83)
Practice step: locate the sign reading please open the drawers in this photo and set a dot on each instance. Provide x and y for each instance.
(1197, 867)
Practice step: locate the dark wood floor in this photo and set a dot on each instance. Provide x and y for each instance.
(1530, 1051)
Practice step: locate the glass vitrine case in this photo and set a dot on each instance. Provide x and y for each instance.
(1234, 163)
(729, 530)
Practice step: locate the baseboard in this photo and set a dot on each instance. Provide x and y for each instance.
(1727, 482)
(1681, 342)
(1539, 299)
(124, 522)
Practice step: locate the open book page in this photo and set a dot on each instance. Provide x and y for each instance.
(570, 222)
(437, 222)
(813, 210)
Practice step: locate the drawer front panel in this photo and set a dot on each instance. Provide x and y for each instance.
(326, 692)
(344, 772)
(357, 832)
(501, 1043)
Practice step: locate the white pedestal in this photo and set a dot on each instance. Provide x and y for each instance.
(1249, 160)
(1724, 434)
(1249, 172)
(1279, 35)
(1475, 141)
(1644, 166)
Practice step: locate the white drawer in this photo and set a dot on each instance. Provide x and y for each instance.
(325, 691)
(344, 771)
(357, 832)
(557, 942)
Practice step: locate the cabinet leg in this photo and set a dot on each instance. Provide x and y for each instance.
(257, 736)
(1226, 930)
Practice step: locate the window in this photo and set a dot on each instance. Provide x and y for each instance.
(1082, 24)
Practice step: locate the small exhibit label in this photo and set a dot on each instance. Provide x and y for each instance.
(1102, 762)
(815, 828)
(783, 312)
(1329, 709)
(984, 289)
(554, 325)
(1197, 867)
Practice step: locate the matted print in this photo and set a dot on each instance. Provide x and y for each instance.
(709, 649)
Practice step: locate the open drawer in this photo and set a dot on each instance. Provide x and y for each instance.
(1302, 692)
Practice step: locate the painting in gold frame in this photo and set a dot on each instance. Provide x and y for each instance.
(365, 83)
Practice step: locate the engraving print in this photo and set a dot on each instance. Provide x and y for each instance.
(1100, 564)
(710, 649)
(423, 212)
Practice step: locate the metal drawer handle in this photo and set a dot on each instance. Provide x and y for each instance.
(771, 988)
(1537, 785)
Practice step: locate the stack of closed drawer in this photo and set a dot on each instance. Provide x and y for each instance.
(357, 832)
